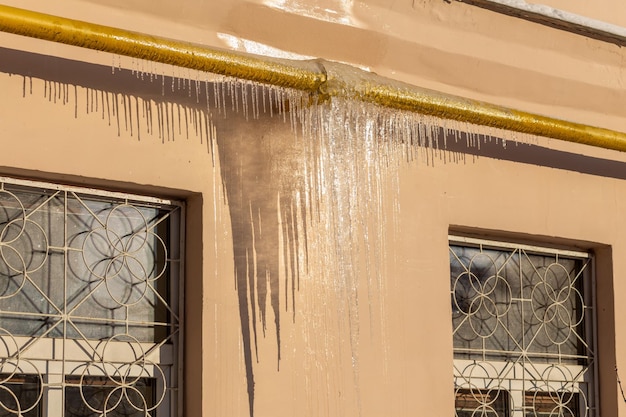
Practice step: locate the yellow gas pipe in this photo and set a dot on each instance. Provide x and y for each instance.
(318, 77)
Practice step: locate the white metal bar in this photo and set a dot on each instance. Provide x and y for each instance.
(90, 191)
(508, 245)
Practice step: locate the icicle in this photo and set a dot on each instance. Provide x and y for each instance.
(254, 98)
(282, 106)
(263, 91)
(271, 102)
(223, 85)
(244, 100)
(216, 96)
(233, 95)
(212, 133)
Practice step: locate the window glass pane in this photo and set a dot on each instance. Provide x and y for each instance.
(548, 404)
(20, 395)
(97, 396)
(88, 287)
(102, 261)
(487, 403)
(118, 272)
(27, 295)
(522, 325)
(508, 301)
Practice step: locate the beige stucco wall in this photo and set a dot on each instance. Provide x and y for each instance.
(542, 193)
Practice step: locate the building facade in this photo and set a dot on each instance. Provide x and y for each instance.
(174, 242)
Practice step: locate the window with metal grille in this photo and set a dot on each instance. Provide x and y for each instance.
(89, 302)
(522, 319)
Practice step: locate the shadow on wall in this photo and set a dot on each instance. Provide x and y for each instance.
(123, 97)
(250, 129)
(541, 156)
(257, 167)
(135, 102)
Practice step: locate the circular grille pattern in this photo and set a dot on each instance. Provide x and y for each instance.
(520, 342)
(85, 299)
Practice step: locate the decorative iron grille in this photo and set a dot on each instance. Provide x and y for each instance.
(522, 322)
(89, 302)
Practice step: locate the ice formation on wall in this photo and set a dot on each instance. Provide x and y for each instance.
(310, 213)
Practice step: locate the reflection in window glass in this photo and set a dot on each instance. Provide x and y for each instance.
(89, 297)
(109, 265)
(487, 403)
(508, 301)
(20, 395)
(548, 404)
(522, 325)
(89, 397)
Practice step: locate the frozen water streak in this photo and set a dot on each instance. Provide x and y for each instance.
(311, 220)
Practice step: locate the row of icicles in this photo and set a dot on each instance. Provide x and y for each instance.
(187, 103)
(332, 205)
